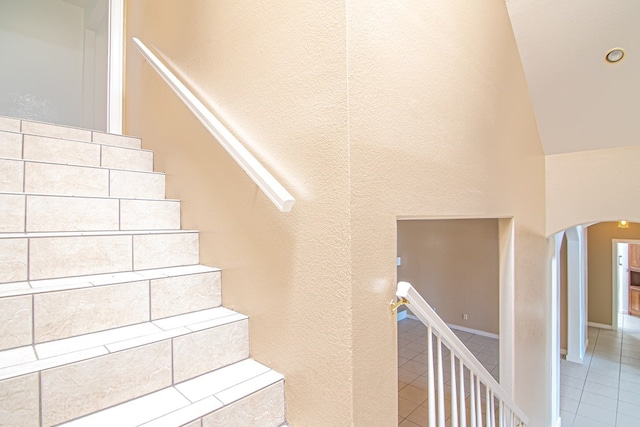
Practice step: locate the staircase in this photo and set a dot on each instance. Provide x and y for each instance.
(106, 316)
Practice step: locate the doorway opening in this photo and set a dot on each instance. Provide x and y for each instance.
(464, 269)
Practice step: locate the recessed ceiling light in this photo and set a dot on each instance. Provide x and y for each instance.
(614, 55)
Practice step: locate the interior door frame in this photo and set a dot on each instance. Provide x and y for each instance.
(115, 80)
(614, 280)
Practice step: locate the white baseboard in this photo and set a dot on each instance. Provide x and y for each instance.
(558, 422)
(473, 331)
(464, 329)
(599, 325)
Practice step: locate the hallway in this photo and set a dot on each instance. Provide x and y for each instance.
(603, 391)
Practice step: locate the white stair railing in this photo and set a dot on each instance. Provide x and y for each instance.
(263, 179)
(488, 405)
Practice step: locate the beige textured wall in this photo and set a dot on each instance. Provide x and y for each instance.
(277, 70)
(368, 111)
(600, 267)
(440, 125)
(454, 265)
(592, 186)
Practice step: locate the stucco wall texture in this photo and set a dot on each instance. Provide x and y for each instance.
(368, 111)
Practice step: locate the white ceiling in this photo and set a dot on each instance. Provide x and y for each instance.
(581, 102)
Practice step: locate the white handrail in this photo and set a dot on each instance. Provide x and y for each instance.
(425, 313)
(263, 179)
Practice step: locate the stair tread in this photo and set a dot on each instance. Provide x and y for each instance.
(33, 358)
(67, 283)
(37, 234)
(186, 401)
(10, 193)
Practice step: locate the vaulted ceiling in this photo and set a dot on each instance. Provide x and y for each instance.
(581, 101)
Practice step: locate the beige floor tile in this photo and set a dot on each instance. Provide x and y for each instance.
(116, 140)
(13, 260)
(61, 151)
(9, 124)
(78, 389)
(19, 401)
(75, 256)
(50, 213)
(55, 131)
(11, 175)
(82, 311)
(177, 295)
(15, 322)
(46, 178)
(12, 211)
(125, 158)
(10, 145)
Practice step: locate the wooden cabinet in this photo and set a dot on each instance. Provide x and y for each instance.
(634, 256)
(634, 300)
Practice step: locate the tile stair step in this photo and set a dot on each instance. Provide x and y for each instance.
(35, 256)
(69, 152)
(30, 176)
(9, 124)
(247, 388)
(48, 310)
(20, 212)
(85, 374)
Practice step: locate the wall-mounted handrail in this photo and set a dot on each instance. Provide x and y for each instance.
(263, 179)
(505, 411)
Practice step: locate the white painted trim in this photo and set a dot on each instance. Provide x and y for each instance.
(506, 286)
(600, 325)
(263, 179)
(558, 422)
(473, 331)
(576, 294)
(554, 245)
(115, 78)
(425, 313)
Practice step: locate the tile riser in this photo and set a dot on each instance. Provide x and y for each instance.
(35, 213)
(34, 258)
(69, 313)
(80, 388)
(43, 149)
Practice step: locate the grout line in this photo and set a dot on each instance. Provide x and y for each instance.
(173, 375)
(25, 213)
(28, 259)
(33, 321)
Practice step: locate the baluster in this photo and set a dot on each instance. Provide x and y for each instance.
(463, 400)
(479, 400)
(431, 402)
(512, 421)
(501, 414)
(472, 397)
(440, 385)
(493, 409)
(454, 396)
(487, 406)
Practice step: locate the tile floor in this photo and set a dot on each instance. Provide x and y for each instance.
(412, 361)
(605, 389)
